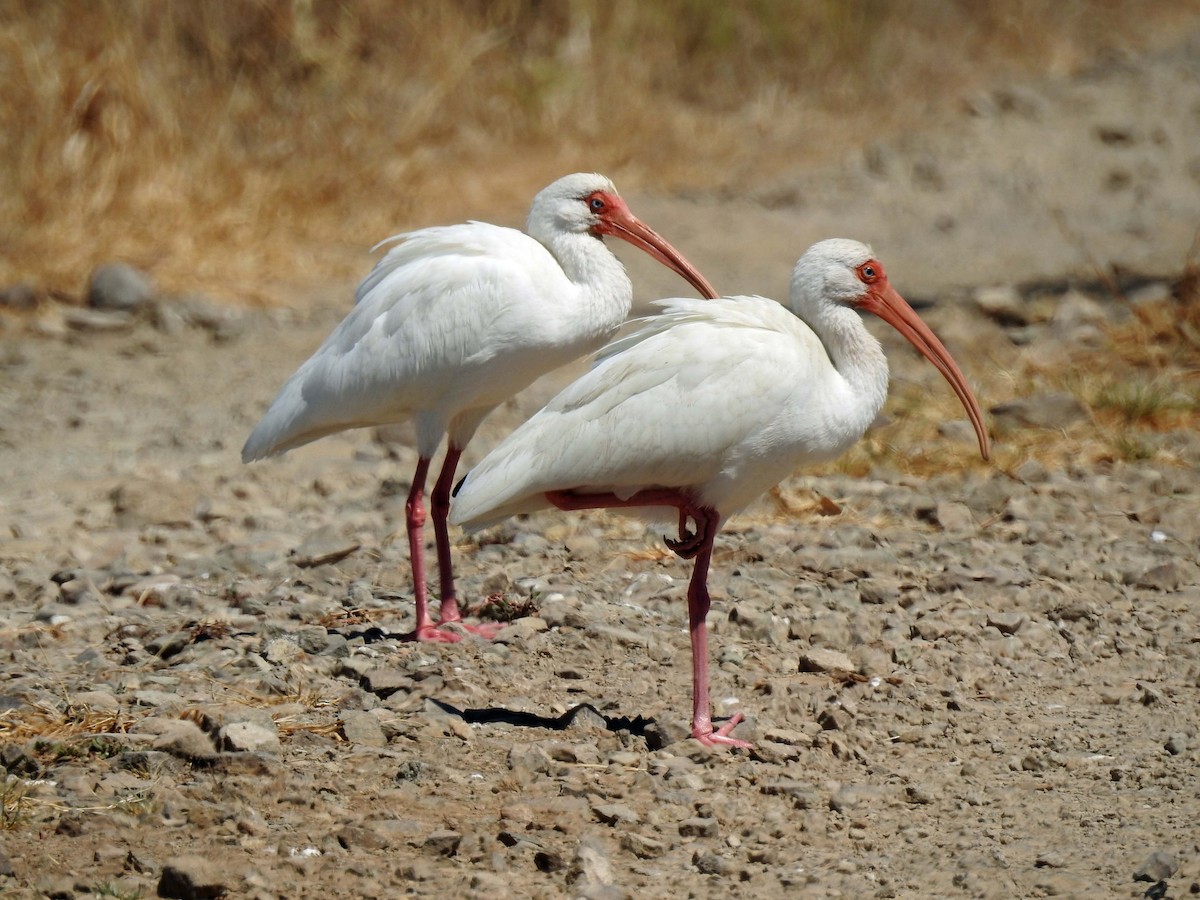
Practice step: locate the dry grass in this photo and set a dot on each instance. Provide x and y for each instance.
(243, 147)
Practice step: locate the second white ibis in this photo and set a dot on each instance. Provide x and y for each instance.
(453, 321)
(704, 408)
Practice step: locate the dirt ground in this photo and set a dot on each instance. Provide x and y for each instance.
(976, 681)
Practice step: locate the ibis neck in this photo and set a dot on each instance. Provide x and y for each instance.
(591, 265)
(859, 360)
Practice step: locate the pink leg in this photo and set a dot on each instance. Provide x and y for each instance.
(415, 519)
(698, 604)
(698, 545)
(441, 509)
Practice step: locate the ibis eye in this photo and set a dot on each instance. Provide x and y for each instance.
(597, 204)
(869, 273)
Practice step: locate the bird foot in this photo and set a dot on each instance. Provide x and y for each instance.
(432, 634)
(687, 546)
(486, 630)
(720, 736)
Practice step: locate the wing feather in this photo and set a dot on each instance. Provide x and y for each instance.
(429, 328)
(681, 402)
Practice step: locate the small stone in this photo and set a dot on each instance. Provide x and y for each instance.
(360, 727)
(615, 814)
(384, 681)
(118, 286)
(878, 591)
(954, 516)
(709, 863)
(443, 842)
(243, 737)
(282, 651)
(1176, 744)
(193, 878)
(698, 826)
(1049, 860)
(822, 659)
(642, 846)
(1006, 623)
(665, 733)
(520, 629)
(1159, 866)
(919, 794)
(1166, 576)
(20, 296)
(179, 737)
(802, 794)
(590, 867)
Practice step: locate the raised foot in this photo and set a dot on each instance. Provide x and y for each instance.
(433, 634)
(687, 546)
(720, 736)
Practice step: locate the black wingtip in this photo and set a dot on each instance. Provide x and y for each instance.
(457, 487)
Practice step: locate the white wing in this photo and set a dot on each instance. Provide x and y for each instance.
(702, 396)
(444, 322)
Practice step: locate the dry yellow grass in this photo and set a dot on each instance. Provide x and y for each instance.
(243, 147)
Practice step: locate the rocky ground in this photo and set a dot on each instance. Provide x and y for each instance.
(961, 679)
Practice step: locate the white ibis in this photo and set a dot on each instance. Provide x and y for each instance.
(705, 407)
(453, 321)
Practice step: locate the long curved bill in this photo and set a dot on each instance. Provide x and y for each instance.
(883, 300)
(625, 225)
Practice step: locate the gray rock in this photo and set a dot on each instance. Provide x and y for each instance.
(710, 863)
(590, 866)
(20, 296)
(1166, 576)
(642, 846)
(242, 737)
(615, 814)
(179, 737)
(383, 681)
(1007, 623)
(361, 727)
(119, 286)
(1159, 866)
(822, 659)
(443, 842)
(698, 826)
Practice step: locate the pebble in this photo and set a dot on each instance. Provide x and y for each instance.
(359, 727)
(1158, 866)
(822, 659)
(118, 286)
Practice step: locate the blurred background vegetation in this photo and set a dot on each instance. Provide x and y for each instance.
(240, 147)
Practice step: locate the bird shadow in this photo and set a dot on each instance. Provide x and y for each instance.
(581, 714)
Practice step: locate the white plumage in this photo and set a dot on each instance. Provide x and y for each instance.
(707, 405)
(453, 321)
